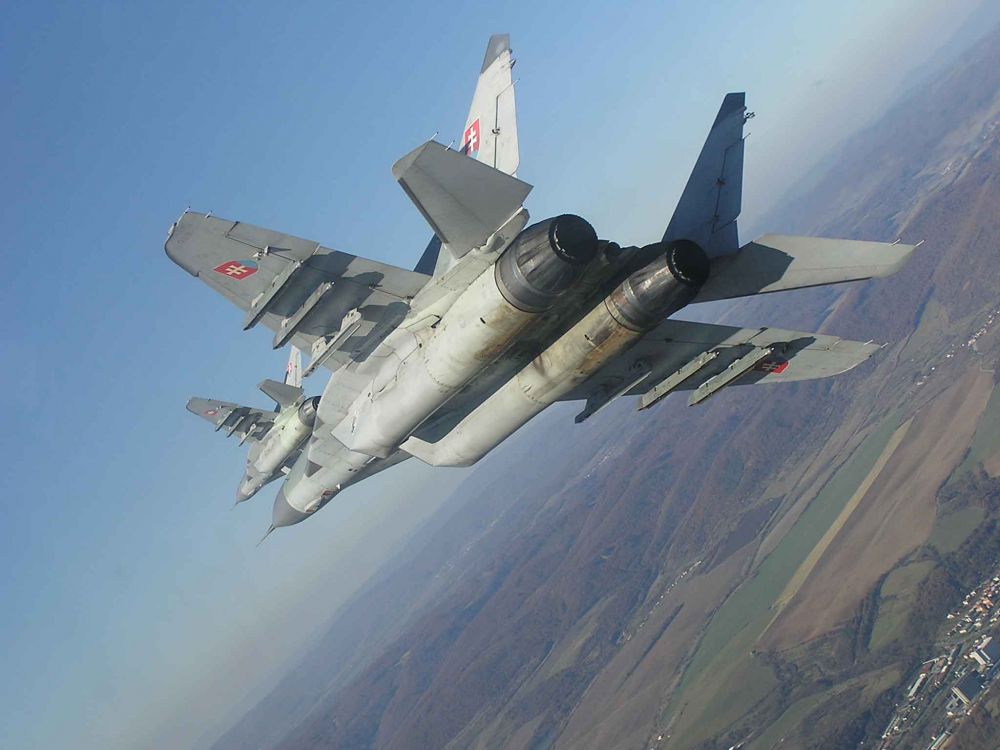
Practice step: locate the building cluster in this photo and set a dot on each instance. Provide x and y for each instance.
(979, 610)
(971, 344)
(982, 330)
(959, 675)
(987, 653)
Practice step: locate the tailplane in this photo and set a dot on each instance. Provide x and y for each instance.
(282, 394)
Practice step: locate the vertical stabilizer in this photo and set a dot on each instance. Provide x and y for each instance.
(710, 204)
(490, 134)
(293, 371)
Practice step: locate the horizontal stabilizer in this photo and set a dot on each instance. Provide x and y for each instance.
(282, 394)
(463, 200)
(775, 263)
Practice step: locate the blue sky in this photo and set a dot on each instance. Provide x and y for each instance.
(134, 606)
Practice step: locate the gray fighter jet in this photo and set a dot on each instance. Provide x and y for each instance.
(499, 318)
(276, 437)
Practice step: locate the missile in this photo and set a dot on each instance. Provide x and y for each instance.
(634, 307)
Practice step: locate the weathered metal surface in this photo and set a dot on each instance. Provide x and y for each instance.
(600, 336)
(476, 330)
(639, 370)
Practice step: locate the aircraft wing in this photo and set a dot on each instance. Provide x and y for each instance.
(681, 355)
(245, 421)
(334, 305)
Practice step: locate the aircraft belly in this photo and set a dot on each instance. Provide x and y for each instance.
(616, 323)
(479, 325)
(280, 443)
(573, 358)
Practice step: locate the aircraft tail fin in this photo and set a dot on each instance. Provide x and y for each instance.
(293, 371)
(710, 203)
(428, 262)
(490, 134)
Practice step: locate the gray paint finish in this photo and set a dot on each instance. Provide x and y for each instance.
(443, 364)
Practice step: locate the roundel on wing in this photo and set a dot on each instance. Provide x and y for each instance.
(236, 269)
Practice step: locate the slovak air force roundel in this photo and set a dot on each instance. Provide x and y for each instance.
(237, 269)
(471, 140)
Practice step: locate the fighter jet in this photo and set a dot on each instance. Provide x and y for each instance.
(501, 317)
(276, 437)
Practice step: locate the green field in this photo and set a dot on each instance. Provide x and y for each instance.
(708, 682)
(788, 721)
(986, 442)
(933, 324)
(953, 529)
(895, 601)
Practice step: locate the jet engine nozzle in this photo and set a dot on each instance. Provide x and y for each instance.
(307, 411)
(662, 287)
(544, 261)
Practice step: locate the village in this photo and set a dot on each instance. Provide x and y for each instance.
(947, 688)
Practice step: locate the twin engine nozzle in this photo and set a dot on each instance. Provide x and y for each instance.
(548, 257)
(308, 409)
(544, 261)
(667, 277)
(662, 287)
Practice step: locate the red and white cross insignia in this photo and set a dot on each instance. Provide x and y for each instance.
(772, 367)
(470, 140)
(237, 269)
